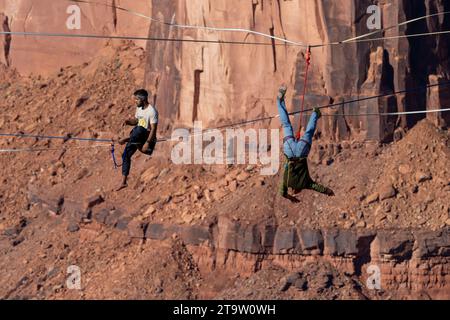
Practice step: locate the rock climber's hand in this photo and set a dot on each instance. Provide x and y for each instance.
(146, 147)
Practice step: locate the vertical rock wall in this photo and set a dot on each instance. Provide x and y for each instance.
(44, 55)
(222, 83)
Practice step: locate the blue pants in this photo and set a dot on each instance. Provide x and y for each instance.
(291, 147)
(138, 138)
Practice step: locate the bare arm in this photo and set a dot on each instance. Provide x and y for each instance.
(151, 137)
(153, 129)
(131, 122)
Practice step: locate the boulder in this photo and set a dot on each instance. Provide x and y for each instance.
(311, 241)
(150, 210)
(122, 223)
(243, 176)
(136, 229)
(73, 227)
(373, 198)
(149, 175)
(387, 192)
(286, 241)
(101, 216)
(156, 232)
(340, 242)
(113, 218)
(93, 201)
(396, 245)
(233, 186)
(432, 244)
(195, 235)
(422, 176)
(404, 169)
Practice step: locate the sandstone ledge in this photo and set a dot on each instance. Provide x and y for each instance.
(269, 239)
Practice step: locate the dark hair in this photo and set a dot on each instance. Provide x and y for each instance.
(141, 94)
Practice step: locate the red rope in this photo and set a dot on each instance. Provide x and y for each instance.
(308, 62)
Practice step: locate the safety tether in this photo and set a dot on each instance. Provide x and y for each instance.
(308, 62)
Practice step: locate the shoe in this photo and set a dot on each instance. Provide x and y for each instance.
(282, 92)
(319, 113)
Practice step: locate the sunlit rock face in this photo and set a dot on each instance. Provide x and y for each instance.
(44, 55)
(220, 83)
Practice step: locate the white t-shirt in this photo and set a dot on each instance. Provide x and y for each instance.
(146, 116)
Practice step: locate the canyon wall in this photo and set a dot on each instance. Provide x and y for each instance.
(45, 55)
(223, 83)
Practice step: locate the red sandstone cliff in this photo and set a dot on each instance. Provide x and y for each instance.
(220, 83)
(238, 82)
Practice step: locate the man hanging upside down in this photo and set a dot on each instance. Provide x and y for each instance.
(143, 135)
(296, 173)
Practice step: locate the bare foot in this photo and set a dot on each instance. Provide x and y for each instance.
(282, 92)
(122, 186)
